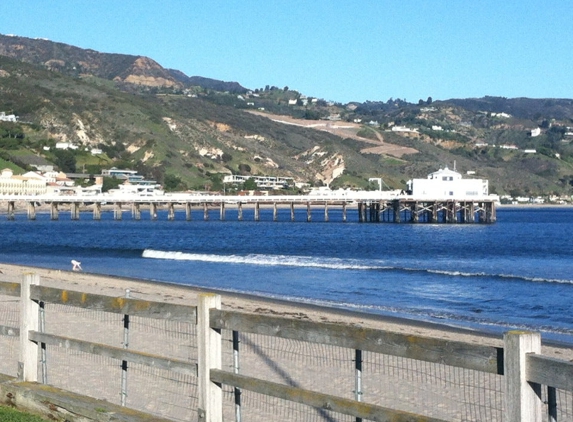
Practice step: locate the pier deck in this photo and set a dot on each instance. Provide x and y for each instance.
(368, 206)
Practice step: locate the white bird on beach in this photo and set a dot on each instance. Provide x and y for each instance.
(77, 266)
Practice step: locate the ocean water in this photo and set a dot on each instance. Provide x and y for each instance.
(517, 273)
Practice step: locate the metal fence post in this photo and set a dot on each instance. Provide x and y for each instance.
(523, 399)
(43, 357)
(124, 362)
(552, 404)
(236, 367)
(29, 321)
(210, 395)
(358, 377)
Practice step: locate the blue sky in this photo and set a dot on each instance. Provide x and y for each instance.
(337, 50)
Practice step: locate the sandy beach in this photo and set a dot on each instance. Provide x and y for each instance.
(159, 291)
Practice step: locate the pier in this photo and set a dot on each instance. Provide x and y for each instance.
(369, 207)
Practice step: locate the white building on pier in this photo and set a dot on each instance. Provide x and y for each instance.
(446, 183)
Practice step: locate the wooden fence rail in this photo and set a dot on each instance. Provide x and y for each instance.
(463, 355)
(520, 362)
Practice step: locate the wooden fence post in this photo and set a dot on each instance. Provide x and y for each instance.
(210, 407)
(523, 399)
(29, 321)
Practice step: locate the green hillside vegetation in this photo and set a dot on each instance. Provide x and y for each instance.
(189, 136)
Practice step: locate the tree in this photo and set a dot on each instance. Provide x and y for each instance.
(311, 114)
(110, 183)
(244, 168)
(285, 88)
(171, 182)
(250, 184)
(429, 101)
(65, 160)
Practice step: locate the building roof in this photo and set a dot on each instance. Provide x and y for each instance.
(444, 172)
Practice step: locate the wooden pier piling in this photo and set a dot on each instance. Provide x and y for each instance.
(187, 211)
(31, 210)
(257, 211)
(135, 211)
(54, 212)
(222, 211)
(117, 211)
(97, 211)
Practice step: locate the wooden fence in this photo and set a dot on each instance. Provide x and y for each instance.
(523, 369)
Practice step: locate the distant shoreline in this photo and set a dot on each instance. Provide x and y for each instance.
(534, 206)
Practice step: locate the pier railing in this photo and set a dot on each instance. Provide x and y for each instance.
(203, 363)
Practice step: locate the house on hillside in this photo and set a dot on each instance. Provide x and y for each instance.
(8, 117)
(446, 183)
(119, 173)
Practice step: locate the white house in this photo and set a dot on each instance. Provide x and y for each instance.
(7, 117)
(403, 129)
(119, 173)
(446, 183)
(63, 145)
(535, 132)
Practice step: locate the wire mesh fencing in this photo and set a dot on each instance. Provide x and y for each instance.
(152, 390)
(408, 385)
(9, 341)
(433, 389)
(557, 404)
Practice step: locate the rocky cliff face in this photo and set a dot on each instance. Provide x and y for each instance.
(145, 71)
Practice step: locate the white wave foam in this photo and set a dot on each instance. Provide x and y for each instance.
(327, 263)
(268, 260)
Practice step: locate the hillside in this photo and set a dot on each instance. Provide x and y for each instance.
(187, 132)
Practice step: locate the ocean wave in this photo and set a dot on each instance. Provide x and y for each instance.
(261, 259)
(331, 263)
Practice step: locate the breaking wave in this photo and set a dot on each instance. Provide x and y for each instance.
(330, 263)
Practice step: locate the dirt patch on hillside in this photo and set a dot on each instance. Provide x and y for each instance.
(343, 130)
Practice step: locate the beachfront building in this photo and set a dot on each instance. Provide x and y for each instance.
(263, 182)
(21, 185)
(119, 173)
(446, 183)
(138, 187)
